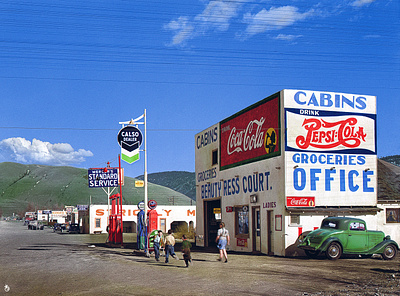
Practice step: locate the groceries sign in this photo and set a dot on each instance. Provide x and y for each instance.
(252, 134)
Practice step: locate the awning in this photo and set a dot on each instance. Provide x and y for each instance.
(334, 211)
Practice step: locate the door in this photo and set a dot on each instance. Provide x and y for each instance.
(256, 229)
(270, 250)
(210, 221)
(357, 237)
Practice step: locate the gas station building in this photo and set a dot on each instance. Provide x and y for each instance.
(95, 220)
(278, 167)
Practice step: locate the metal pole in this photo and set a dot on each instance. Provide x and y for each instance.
(145, 181)
(119, 205)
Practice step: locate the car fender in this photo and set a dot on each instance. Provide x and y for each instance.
(379, 248)
(327, 242)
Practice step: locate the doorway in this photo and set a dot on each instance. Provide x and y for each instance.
(256, 229)
(211, 224)
(270, 250)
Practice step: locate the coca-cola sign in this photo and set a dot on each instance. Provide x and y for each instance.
(300, 201)
(252, 134)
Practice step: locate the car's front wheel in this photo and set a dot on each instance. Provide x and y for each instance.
(334, 251)
(389, 252)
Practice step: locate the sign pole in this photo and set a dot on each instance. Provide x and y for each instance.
(145, 180)
(130, 138)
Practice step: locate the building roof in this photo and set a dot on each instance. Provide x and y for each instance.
(388, 181)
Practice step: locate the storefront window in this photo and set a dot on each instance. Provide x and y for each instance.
(242, 221)
(392, 215)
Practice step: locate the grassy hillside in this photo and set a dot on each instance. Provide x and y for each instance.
(393, 159)
(30, 187)
(180, 181)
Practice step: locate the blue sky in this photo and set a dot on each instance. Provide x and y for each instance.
(72, 70)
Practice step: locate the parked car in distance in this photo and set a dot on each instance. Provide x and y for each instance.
(74, 228)
(346, 235)
(35, 225)
(59, 227)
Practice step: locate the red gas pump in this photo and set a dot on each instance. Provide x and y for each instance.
(115, 220)
(152, 223)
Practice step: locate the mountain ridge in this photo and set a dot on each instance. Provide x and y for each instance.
(30, 187)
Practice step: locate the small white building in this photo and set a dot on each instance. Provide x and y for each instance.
(278, 167)
(52, 216)
(96, 220)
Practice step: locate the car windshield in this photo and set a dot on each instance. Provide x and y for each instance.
(330, 224)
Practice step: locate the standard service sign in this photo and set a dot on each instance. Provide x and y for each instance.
(130, 138)
(103, 178)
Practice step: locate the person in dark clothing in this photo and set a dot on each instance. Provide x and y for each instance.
(186, 245)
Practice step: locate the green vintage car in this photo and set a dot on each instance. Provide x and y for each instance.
(345, 235)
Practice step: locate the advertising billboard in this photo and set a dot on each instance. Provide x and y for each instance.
(330, 148)
(252, 134)
(101, 177)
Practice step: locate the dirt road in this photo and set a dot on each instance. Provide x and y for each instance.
(45, 263)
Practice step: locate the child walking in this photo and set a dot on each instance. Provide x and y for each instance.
(186, 245)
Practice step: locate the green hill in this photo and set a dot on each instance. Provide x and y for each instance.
(29, 187)
(180, 181)
(393, 159)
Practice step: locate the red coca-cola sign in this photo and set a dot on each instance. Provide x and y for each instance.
(252, 134)
(300, 201)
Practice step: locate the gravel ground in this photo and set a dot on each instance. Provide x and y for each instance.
(40, 262)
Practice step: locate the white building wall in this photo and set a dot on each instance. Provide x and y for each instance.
(336, 167)
(170, 213)
(391, 229)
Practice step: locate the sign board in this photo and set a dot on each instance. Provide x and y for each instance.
(330, 148)
(152, 204)
(82, 207)
(299, 201)
(139, 183)
(217, 210)
(252, 134)
(130, 138)
(103, 177)
(140, 205)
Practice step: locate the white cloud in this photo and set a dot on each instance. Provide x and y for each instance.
(359, 3)
(287, 37)
(25, 151)
(217, 15)
(274, 19)
(182, 28)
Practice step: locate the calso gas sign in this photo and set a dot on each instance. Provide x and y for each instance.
(130, 138)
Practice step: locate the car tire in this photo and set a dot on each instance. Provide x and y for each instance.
(389, 252)
(334, 251)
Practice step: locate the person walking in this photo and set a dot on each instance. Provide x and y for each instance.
(222, 239)
(169, 246)
(186, 245)
(157, 241)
